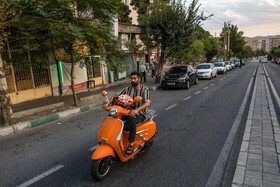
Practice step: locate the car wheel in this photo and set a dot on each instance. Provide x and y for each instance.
(211, 77)
(188, 84)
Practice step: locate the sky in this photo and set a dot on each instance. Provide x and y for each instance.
(253, 17)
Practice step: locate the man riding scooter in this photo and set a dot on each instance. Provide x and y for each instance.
(137, 115)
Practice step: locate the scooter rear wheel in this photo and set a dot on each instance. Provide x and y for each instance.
(100, 168)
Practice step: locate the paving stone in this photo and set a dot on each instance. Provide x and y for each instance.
(255, 147)
(255, 156)
(253, 151)
(254, 161)
(253, 174)
(278, 148)
(270, 184)
(270, 159)
(255, 143)
(265, 144)
(239, 175)
(235, 185)
(268, 153)
(244, 146)
(276, 130)
(248, 128)
(277, 138)
(271, 177)
(255, 168)
(273, 170)
(268, 149)
(253, 182)
(246, 136)
(242, 158)
(270, 165)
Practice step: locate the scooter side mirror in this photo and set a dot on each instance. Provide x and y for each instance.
(104, 93)
(137, 99)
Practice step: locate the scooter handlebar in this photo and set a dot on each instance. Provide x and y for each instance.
(122, 112)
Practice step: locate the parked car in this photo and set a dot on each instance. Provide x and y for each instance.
(237, 63)
(180, 77)
(228, 66)
(206, 71)
(263, 60)
(221, 67)
(232, 65)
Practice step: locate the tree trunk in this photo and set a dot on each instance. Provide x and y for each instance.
(160, 65)
(134, 61)
(72, 77)
(58, 74)
(6, 104)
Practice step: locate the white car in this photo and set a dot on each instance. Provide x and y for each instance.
(263, 60)
(232, 65)
(228, 66)
(221, 67)
(206, 71)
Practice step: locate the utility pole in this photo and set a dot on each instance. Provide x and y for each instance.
(227, 38)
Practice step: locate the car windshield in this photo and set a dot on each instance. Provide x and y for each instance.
(218, 64)
(227, 63)
(177, 70)
(203, 66)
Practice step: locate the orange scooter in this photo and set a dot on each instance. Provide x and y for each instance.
(113, 140)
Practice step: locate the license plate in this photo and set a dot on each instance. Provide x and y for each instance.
(171, 83)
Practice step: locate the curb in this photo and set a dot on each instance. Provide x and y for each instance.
(16, 128)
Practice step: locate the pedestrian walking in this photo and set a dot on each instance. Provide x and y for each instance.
(143, 72)
(153, 70)
(240, 63)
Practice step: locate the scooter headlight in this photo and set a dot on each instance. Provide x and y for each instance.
(112, 112)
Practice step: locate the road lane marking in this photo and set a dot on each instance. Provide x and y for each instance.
(198, 92)
(39, 177)
(206, 88)
(172, 106)
(221, 79)
(187, 98)
(212, 84)
(93, 148)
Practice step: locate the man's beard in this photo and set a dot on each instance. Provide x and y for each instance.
(134, 84)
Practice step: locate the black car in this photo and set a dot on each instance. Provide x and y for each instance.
(179, 77)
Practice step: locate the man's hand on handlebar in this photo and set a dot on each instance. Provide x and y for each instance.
(105, 105)
(133, 113)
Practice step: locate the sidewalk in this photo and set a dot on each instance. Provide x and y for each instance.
(44, 110)
(258, 161)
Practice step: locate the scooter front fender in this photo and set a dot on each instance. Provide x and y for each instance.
(103, 151)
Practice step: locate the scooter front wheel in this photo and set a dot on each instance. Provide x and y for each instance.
(101, 167)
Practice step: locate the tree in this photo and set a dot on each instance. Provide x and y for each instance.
(237, 41)
(275, 52)
(196, 50)
(248, 52)
(7, 17)
(79, 27)
(133, 48)
(168, 25)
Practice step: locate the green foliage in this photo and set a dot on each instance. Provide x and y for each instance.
(261, 52)
(124, 17)
(248, 52)
(196, 50)
(275, 52)
(237, 41)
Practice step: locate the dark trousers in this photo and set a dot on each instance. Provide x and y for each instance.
(130, 125)
(153, 73)
(143, 75)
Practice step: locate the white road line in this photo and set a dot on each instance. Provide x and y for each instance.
(172, 106)
(221, 79)
(187, 98)
(205, 88)
(93, 148)
(39, 177)
(212, 84)
(198, 92)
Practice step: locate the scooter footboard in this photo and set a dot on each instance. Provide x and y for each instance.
(102, 151)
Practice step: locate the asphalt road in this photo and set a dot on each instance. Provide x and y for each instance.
(191, 135)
